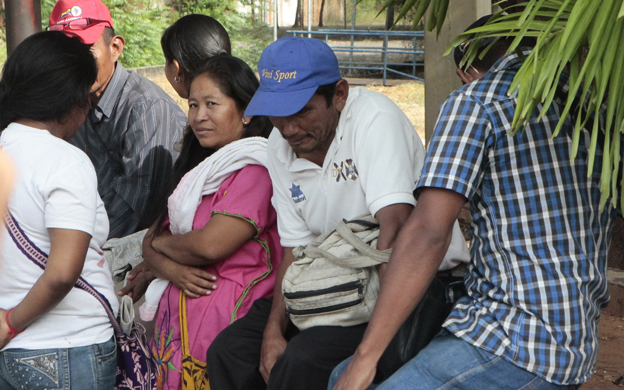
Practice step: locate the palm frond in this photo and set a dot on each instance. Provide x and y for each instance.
(578, 38)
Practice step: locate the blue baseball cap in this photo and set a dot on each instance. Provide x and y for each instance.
(291, 69)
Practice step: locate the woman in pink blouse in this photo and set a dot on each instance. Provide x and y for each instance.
(217, 242)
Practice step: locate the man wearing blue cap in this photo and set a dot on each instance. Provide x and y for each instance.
(336, 153)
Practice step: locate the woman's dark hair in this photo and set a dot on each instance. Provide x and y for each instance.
(194, 39)
(47, 76)
(237, 81)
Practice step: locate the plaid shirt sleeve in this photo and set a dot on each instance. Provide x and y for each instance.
(459, 146)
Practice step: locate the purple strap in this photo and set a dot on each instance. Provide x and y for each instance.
(40, 258)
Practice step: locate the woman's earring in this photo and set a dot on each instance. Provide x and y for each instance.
(245, 123)
(176, 79)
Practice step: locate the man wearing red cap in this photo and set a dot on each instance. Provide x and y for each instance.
(132, 126)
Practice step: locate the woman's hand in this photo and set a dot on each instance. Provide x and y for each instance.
(137, 281)
(5, 337)
(195, 282)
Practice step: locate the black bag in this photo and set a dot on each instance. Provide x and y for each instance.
(416, 332)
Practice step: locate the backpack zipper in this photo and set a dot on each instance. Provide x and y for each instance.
(334, 289)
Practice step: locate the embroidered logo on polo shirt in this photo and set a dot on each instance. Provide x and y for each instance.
(346, 170)
(296, 193)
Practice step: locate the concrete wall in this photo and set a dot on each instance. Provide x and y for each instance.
(440, 78)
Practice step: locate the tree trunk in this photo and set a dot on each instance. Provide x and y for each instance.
(298, 15)
(320, 24)
(389, 16)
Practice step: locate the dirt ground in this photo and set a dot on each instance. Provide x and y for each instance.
(610, 366)
(410, 97)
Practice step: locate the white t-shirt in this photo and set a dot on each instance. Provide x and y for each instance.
(56, 187)
(374, 161)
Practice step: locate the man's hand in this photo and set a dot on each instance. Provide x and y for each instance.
(358, 375)
(273, 346)
(195, 282)
(137, 281)
(4, 329)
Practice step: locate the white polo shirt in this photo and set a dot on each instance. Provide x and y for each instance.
(374, 161)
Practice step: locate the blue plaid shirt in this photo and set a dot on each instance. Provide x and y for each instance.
(537, 279)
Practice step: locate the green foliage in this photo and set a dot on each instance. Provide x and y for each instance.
(142, 22)
(248, 37)
(578, 37)
(3, 48)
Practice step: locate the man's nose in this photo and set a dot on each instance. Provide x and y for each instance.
(288, 128)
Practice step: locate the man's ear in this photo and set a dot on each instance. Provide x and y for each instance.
(117, 45)
(465, 77)
(341, 95)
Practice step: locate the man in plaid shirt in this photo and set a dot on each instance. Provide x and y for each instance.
(537, 278)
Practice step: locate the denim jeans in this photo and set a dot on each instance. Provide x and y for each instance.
(451, 363)
(91, 367)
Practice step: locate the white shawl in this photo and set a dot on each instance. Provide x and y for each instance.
(204, 179)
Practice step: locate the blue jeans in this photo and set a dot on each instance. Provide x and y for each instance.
(91, 367)
(451, 363)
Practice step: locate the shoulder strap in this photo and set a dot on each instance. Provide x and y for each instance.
(40, 258)
(183, 326)
(370, 257)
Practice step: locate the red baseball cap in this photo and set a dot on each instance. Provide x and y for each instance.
(93, 12)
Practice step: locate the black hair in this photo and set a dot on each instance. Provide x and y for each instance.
(237, 81)
(192, 40)
(108, 34)
(47, 76)
(497, 48)
(328, 91)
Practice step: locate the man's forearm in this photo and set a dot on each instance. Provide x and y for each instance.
(405, 282)
(391, 219)
(416, 256)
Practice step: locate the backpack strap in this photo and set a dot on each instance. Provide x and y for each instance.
(369, 257)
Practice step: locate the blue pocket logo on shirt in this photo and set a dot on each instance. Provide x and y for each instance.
(296, 193)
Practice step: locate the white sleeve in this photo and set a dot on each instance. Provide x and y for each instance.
(390, 154)
(291, 226)
(457, 252)
(72, 198)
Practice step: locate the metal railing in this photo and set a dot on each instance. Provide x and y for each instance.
(385, 64)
